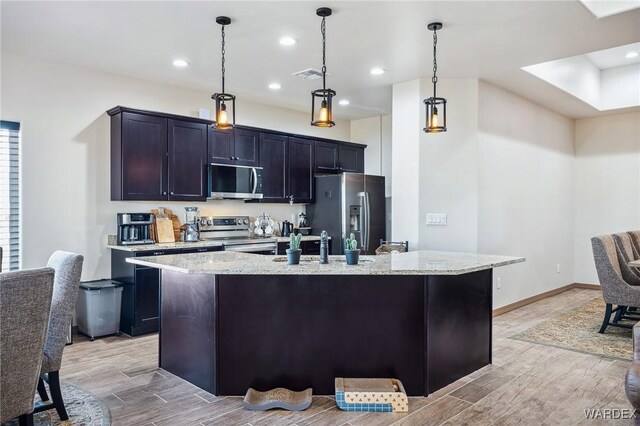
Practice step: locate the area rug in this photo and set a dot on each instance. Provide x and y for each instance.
(577, 330)
(82, 407)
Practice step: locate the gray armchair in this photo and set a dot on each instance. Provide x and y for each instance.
(68, 267)
(615, 290)
(626, 254)
(25, 302)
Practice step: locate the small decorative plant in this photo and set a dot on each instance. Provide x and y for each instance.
(351, 252)
(351, 242)
(293, 252)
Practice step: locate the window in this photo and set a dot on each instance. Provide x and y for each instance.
(10, 195)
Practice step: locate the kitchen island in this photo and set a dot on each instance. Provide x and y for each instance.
(230, 321)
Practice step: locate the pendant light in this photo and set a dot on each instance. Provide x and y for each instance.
(324, 116)
(436, 108)
(224, 119)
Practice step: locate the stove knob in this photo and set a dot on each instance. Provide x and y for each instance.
(203, 222)
(245, 221)
(239, 221)
(209, 222)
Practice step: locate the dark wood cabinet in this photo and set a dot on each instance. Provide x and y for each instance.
(350, 158)
(157, 158)
(246, 148)
(221, 146)
(139, 160)
(326, 157)
(274, 155)
(237, 146)
(333, 157)
(187, 161)
(310, 248)
(140, 310)
(301, 161)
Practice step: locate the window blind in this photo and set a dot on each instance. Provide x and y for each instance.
(10, 195)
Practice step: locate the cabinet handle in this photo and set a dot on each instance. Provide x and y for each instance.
(237, 158)
(231, 158)
(171, 192)
(158, 253)
(164, 192)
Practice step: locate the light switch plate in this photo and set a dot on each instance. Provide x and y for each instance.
(436, 219)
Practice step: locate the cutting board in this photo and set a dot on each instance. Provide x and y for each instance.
(167, 226)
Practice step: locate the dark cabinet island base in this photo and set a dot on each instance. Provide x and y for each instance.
(226, 333)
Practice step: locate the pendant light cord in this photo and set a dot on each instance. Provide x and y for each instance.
(434, 79)
(223, 59)
(324, 54)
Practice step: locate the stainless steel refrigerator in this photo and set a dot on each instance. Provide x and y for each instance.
(349, 203)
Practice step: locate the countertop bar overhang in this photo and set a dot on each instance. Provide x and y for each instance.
(230, 321)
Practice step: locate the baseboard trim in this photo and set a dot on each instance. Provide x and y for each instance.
(529, 300)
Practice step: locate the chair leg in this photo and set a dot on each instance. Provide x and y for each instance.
(56, 395)
(26, 420)
(42, 390)
(607, 317)
(619, 313)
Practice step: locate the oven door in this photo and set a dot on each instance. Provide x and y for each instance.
(235, 182)
(260, 248)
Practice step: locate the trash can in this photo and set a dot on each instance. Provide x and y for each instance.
(98, 308)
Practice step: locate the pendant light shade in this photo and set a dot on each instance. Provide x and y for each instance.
(322, 99)
(436, 108)
(225, 114)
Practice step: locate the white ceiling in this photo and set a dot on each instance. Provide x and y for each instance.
(615, 57)
(486, 40)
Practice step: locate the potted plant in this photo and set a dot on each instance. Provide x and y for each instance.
(294, 251)
(351, 251)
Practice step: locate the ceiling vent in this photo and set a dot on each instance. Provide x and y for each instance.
(308, 74)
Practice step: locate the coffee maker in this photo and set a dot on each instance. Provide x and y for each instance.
(134, 228)
(191, 224)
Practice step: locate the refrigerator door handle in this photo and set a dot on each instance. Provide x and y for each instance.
(366, 221)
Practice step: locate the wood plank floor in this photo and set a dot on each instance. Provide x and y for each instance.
(526, 384)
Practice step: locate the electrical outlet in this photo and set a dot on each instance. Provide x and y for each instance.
(436, 219)
(498, 283)
(558, 268)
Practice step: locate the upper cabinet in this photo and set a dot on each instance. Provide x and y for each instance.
(157, 158)
(164, 157)
(333, 157)
(239, 147)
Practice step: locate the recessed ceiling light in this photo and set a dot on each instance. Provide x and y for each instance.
(344, 102)
(275, 86)
(631, 55)
(377, 71)
(288, 41)
(180, 63)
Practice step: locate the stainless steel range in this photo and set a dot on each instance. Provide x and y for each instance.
(234, 233)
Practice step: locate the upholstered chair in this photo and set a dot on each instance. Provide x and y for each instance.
(25, 303)
(626, 254)
(615, 290)
(68, 267)
(635, 242)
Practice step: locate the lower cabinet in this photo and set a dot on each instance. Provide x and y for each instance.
(140, 311)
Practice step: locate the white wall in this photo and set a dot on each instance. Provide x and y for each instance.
(405, 162)
(65, 152)
(449, 169)
(620, 87)
(525, 192)
(607, 176)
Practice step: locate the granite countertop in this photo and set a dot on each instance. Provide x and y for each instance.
(424, 262)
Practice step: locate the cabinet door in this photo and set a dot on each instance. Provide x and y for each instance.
(351, 159)
(282, 248)
(187, 161)
(147, 299)
(273, 159)
(326, 157)
(310, 247)
(301, 153)
(144, 157)
(246, 148)
(220, 146)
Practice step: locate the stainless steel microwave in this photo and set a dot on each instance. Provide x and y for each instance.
(235, 182)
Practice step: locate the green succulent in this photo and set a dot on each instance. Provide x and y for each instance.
(294, 241)
(351, 242)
